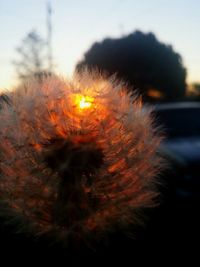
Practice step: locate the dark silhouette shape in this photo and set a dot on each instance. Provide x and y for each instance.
(148, 65)
(196, 91)
(32, 57)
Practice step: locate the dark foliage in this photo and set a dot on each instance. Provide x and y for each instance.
(145, 63)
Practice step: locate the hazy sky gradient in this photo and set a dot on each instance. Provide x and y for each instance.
(78, 23)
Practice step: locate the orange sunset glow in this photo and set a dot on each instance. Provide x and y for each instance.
(84, 102)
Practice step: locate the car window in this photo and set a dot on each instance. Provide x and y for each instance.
(179, 122)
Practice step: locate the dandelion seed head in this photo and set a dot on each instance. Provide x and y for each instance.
(77, 157)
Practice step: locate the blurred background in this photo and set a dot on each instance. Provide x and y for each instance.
(152, 45)
(41, 35)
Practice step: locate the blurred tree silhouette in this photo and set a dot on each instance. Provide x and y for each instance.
(193, 92)
(33, 59)
(196, 88)
(149, 66)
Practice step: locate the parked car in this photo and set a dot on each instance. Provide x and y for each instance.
(176, 221)
(181, 124)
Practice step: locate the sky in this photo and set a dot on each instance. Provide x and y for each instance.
(77, 24)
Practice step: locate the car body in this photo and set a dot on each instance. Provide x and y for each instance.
(181, 124)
